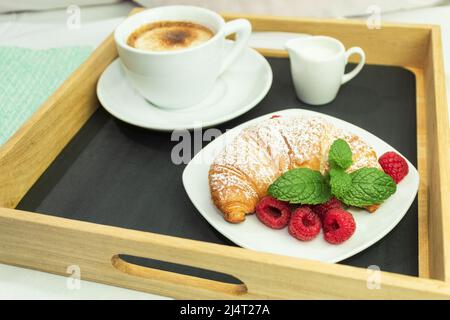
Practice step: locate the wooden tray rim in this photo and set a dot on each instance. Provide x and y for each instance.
(427, 65)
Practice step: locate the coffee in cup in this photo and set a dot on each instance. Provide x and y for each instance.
(173, 55)
(169, 36)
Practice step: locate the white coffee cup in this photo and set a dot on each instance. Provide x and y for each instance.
(181, 78)
(318, 66)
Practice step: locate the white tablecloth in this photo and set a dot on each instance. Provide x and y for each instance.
(49, 29)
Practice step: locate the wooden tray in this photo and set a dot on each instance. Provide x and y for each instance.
(52, 244)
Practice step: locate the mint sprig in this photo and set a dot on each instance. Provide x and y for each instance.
(340, 182)
(361, 188)
(368, 186)
(340, 155)
(301, 186)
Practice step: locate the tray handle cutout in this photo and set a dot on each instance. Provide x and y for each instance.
(180, 274)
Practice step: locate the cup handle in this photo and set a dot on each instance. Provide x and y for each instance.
(354, 50)
(243, 30)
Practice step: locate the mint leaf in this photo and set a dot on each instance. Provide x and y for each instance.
(340, 182)
(368, 186)
(340, 154)
(301, 185)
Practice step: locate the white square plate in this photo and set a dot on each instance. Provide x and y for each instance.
(252, 234)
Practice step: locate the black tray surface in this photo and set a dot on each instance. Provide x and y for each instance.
(116, 174)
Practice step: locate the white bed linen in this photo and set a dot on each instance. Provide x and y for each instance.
(57, 28)
(49, 29)
(306, 8)
(24, 5)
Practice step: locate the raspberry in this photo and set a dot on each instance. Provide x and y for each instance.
(322, 209)
(273, 213)
(394, 165)
(305, 224)
(338, 226)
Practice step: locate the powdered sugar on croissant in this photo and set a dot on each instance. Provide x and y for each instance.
(241, 174)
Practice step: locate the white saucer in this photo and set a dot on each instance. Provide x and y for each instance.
(238, 90)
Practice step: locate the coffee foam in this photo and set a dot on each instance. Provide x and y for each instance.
(169, 36)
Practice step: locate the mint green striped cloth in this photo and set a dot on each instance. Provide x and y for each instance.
(28, 77)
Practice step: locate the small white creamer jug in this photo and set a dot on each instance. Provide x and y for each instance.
(318, 66)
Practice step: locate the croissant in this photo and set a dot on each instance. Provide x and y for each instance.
(243, 171)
